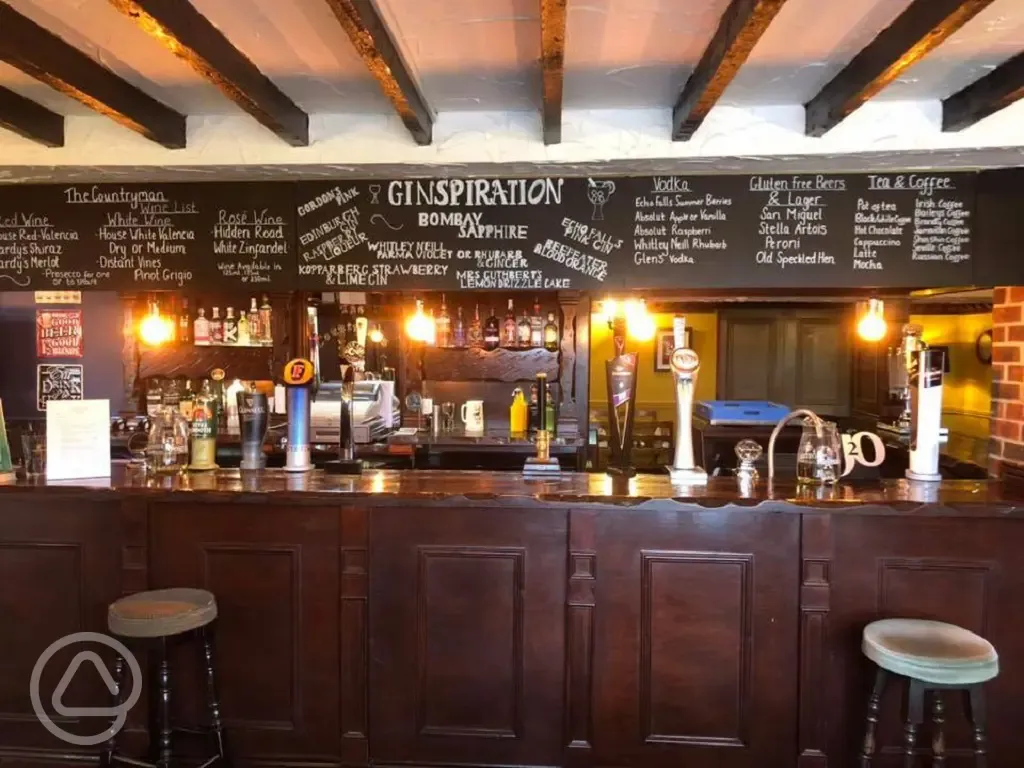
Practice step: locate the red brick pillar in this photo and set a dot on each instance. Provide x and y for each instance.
(1006, 446)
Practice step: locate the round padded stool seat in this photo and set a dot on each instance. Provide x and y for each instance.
(161, 612)
(931, 651)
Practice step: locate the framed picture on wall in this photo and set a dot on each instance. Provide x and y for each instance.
(664, 343)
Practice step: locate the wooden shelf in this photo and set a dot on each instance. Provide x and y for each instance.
(504, 365)
(197, 362)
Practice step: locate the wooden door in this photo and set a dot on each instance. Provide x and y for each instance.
(466, 635)
(748, 349)
(274, 572)
(694, 642)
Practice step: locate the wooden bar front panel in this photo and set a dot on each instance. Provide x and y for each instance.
(274, 571)
(870, 567)
(695, 637)
(466, 635)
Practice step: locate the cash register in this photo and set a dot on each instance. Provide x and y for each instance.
(376, 412)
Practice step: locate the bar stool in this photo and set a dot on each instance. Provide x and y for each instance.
(156, 619)
(930, 656)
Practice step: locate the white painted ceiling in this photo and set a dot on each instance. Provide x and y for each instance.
(483, 54)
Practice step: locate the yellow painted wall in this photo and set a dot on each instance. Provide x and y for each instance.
(654, 389)
(967, 388)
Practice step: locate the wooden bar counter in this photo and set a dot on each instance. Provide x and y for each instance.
(458, 618)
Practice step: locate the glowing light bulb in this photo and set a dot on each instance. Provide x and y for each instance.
(419, 327)
(609, 308)
(154, 329)
(872, 325)
(376, 335)
(640, 322)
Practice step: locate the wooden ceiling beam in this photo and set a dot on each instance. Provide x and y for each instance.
(996, 90)
(552, 62)
(919, 30)
(190, 36)
(376, 47)
(40, 54)
(26, 118)
(742, 25)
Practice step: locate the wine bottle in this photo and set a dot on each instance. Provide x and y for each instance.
(510, 337)
(551, 334)
(459, 336)
(492, 332)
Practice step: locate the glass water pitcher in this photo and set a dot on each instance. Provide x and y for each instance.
(819, 457)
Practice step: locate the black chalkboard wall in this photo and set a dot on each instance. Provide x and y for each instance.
(826, 231)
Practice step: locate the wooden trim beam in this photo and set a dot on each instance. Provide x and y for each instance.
(26, 118)
(376, 47)
(552, 62)
(40, 54)
(742, 25)
(190, 36)
(996, 90)
(919, 30)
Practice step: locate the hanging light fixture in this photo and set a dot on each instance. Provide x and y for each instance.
(155, 329)
(872, 326)
(419, 327)
(639, 322)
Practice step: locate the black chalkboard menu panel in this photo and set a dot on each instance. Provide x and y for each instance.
(999, 230)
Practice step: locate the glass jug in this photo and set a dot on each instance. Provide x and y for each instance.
(819, 457)
(167, 447)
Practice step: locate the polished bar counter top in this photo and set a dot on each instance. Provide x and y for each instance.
(951, 497)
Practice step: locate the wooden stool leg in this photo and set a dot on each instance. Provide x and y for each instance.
(110, 748)
(164, 686)
(938, 737)
(868, 748)
(974, 703)
(914, 717)
(212, 700)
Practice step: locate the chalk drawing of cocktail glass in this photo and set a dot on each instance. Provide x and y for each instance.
(374, 193)
(598, 193)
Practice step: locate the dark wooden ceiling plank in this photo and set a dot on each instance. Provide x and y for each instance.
(26, 118)
(552, 61)
(985, 96)
(919, 30)
(40, 54)
(375, 45)
(742, 25)
(190, 36)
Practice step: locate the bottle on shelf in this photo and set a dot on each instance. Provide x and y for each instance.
(188, 400)
(201, 330)
(244, 339)
(433, 327)
(459, 334)
(184, 324)
(255, 332)
(444, 325)
(475, 336)
(216, 327)
(266, 316)
(551, 334)
(523, 334)
(492, 332)
(231, 328)
(510, 335)
(536, 326)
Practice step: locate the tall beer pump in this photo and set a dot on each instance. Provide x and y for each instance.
(685, 365)
(620, 374)
(298, 378)
(346, 463)
(925, 369)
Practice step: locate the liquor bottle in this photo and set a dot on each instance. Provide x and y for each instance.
(475, 337)
(536, 326)
(244, 339)
(509, 337)
(255, 332)
(188, 400)
(201, 330)
(459, 336)
(551, 334)
(216, 328)
(523, 335)
(492, 332)
(444, 325)
(184, 324)
(266, 315)
(231, 327)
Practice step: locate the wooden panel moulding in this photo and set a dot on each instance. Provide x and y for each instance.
(579, 641)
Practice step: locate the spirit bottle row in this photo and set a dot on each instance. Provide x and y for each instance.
(250, 328)
(530, 331)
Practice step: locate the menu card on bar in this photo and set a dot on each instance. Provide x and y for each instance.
(77, 439)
